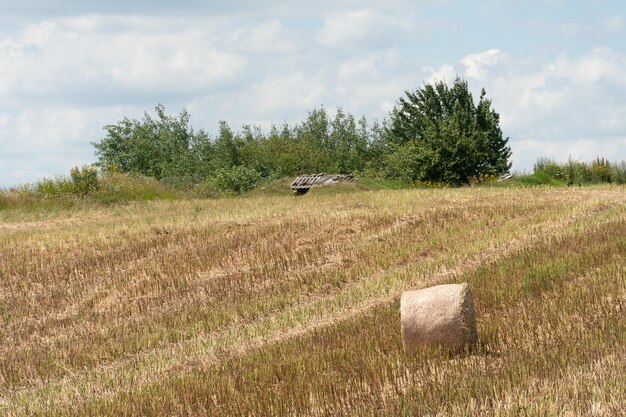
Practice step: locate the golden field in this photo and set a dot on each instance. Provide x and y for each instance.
(262, 306)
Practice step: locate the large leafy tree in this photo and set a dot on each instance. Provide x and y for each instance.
(438, 133)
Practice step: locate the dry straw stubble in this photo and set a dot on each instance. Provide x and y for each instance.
(162, 315)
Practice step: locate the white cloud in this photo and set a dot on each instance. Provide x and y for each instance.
(525, 100)
(370, 66)
(40, 130)
(572, 106)
(41, 142)
(74, 56)
(590, 26)
(613, 23)
(365, 27)
(4, 120)
(445, 73)
(372, 83)
(171, 62)
(575, 95)
(478, 64)
(268, 37)
(39, 34)
(596, 65)
(612, 118)
(281, 96)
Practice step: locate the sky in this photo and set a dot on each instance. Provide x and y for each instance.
(555, 70)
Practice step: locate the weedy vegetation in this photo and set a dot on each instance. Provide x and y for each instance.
(269, 305)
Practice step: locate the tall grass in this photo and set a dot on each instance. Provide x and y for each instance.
(117, 187)
(62, 192)
(572, 172)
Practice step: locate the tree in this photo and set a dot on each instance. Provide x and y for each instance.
(349, 146)
(225, 149)
(437, 133)
(157, 148)
(314, 133)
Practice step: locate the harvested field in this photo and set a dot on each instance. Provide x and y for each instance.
(284, 306)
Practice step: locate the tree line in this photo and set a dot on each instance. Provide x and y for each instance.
(435, 133)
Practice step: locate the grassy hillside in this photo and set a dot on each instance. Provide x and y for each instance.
(275, 305)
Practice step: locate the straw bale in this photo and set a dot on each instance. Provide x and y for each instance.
(440, 315)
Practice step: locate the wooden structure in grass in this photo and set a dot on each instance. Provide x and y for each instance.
(302, 184)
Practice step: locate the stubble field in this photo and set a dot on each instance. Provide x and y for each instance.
(265, 306)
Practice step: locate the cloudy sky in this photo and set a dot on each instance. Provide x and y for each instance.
(555, 69)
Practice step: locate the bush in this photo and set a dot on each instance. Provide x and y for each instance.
(237, 180)
(84, 180)
(618, 173)
(539, 178)
(55, 187)
(600, 170)
(577, 172)
(408, 162)
(550, 168)
(81, 182)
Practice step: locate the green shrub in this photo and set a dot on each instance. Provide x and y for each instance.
(84, 180)
(577, 173)
(58, 186)
(81, 182)
(573, 172)
(618, 173)
(409, 162)
(237, 180)
(536, 179)
(600, 170)
(550, 168)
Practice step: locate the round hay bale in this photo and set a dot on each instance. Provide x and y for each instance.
(440, 315)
